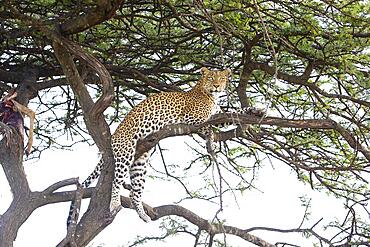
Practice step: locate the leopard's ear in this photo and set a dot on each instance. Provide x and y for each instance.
(228, 72)
(203, 70)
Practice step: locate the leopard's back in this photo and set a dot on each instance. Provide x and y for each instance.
(161, 110)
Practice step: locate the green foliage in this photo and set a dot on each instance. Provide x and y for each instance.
(320, 50)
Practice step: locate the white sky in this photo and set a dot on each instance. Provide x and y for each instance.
(277, 205)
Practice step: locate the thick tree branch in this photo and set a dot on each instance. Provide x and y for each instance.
(103, 11)
(12, 77)
(60, 184)
(246, 72)
(61, 43)
(242, 87)
(11, 159)
(98, 215)
(94, 219)
(244, 119)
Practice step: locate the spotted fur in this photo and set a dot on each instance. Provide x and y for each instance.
(192, 107)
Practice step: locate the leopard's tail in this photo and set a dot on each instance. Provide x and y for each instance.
(85, 184)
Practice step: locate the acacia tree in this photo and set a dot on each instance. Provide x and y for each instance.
(305, 62)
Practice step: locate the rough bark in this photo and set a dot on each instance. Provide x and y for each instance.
(103, 11)
(98, 215)
(11, 158)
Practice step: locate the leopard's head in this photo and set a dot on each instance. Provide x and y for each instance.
(214, 81)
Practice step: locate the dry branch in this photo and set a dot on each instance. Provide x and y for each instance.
(212, 229)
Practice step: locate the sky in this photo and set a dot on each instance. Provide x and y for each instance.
(275, 202)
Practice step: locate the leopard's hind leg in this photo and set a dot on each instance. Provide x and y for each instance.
(121, 173)
(137, 176)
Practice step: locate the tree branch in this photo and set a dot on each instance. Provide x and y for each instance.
(103, 11)
(95, 218)
(213, 229)
(303, 80)
(11, 159)
(244, 119)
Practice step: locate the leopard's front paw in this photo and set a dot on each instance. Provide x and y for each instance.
(145, 217)
(115, 205)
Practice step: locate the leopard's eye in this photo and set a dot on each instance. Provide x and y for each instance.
(210, 78)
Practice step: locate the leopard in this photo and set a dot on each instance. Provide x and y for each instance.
(191, 107)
